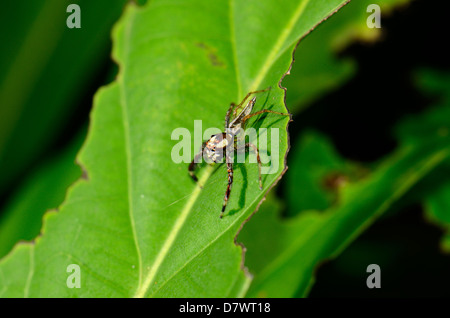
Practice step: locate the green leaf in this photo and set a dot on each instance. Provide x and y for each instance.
(138, 225)
(318, 174)
(47, 70)
(313, 236)
(418, 168)
(44, 190)
(437, 207)
(435, 121)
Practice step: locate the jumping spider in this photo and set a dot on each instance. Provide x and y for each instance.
(215, 147)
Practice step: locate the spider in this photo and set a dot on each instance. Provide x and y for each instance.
(214, 147)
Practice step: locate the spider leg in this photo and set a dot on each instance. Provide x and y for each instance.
(194, 162)
(235, 112)
(233, 109)
(249, 94)
(230, 182)
(261, 112)
(248, 145)
(227, 117)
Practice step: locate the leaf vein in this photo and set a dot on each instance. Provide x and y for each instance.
(125, 121)
(26, 291)
(278, 45)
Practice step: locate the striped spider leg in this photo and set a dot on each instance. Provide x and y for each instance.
(214, 148)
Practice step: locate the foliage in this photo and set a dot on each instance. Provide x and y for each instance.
(135, 222)
(128, 238)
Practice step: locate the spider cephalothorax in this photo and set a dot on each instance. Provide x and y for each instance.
(218, 146)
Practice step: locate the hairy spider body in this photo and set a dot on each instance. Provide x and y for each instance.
(218, 146)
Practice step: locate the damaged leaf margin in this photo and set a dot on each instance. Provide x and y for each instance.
(117, 247)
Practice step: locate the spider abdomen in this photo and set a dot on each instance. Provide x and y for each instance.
(224, 144)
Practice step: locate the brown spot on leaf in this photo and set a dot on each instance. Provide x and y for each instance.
(211, 54)
(84, 174)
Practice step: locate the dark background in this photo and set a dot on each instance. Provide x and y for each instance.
(383, 91)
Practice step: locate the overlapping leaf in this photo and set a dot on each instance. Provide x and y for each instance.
(313, 236)
(418, 169)
(137, 225)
